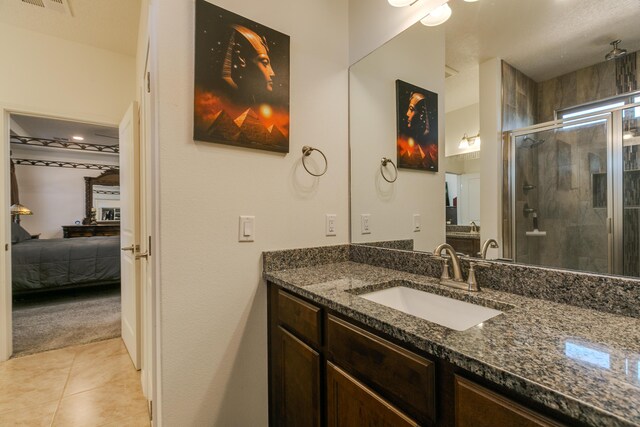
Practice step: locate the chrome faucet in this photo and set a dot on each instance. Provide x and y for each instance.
(489, 243)
(474, 227)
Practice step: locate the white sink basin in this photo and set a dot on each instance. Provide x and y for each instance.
(448, 312)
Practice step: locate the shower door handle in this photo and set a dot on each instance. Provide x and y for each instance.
(610, 225)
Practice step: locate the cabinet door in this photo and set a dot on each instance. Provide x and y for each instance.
(478, 407)
(351, 404)
(297, 383)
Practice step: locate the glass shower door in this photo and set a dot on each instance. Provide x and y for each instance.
(631, 191)
(560, 197)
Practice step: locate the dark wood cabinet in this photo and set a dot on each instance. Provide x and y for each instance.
(465, 246)
(326, 370)
(400, 376)
(69, 231)
(477, 406)
(350, 403)
(298, 388)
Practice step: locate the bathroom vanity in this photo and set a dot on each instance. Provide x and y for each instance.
(336, 358)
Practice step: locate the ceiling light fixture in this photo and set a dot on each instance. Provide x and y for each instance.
(401, 3)
(437, 16)
(78, 138)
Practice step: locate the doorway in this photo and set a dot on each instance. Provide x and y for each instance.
(65, 200)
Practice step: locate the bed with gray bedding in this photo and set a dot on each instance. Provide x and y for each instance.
(56, 263)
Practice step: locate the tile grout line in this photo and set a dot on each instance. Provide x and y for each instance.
(55, 414)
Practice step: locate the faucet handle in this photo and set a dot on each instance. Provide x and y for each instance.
(445, 269)
(472, 281)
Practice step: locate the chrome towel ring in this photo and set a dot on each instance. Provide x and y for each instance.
(383, 164)
(306, 152)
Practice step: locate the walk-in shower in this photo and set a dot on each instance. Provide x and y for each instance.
(574, 193)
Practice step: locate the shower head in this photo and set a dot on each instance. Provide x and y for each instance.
(529, 142)
(616, 52)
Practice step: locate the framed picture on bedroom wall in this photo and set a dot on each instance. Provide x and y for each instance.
(241, 94)
(417, 127)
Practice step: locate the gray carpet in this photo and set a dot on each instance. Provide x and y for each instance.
(56, 320)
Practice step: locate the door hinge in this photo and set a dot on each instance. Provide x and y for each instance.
(149, 246)
(151, 410)
(6, 247)
(148, 82)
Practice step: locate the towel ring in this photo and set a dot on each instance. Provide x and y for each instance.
(306, 152)
(383, 164)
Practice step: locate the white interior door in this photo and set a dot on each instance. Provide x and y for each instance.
(469, 199)
(129, 232)
(146, 221)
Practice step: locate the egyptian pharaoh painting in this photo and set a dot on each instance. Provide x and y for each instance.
(417, 126)
(241, 81)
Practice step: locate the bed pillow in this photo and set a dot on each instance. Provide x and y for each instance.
(19, 234)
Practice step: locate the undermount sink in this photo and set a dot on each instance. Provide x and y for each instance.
(448, 312)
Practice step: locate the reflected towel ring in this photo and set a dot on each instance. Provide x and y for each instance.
(306, 152)
(383, 164)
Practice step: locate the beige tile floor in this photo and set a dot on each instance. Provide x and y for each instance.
(88, 385)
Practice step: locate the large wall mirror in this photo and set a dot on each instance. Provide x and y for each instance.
(102, 193)
(563, 196)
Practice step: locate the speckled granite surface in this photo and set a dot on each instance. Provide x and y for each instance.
(580, 362)
(613, 294)
(405, 245)
(459, 228)
(463, 235)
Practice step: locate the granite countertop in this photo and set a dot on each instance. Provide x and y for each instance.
(463, 235)
(580, 362)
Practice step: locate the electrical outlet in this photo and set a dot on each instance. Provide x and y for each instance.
(330, 225)
(365, 223)
(417, 223)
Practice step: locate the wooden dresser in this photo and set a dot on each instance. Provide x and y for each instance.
(90, 230)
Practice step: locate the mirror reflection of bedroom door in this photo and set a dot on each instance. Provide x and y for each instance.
(129, 224)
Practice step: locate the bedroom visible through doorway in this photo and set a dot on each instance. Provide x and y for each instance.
(65, 228)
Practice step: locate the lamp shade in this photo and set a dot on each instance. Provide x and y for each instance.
(18, 209)
(437, 16)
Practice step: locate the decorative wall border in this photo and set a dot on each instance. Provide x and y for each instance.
(69, 145)
(62, 164)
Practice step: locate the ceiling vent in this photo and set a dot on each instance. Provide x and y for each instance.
(60, 6)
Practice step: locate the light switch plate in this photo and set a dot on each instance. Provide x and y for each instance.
(417, 223)
(365, 223)
(246, 228)
(330, 226)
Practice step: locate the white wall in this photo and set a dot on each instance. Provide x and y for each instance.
(213, 301)
(373, 135)
(54, 195)
(373, 23)
(491, 135)
(459, 122)
(64, 78)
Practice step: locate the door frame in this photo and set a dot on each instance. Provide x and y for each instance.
(6, 110)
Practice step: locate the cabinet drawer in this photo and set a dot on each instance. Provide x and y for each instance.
(300, 317)
(477, 406)
(404, 378)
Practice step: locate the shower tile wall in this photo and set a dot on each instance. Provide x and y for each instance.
(599, 81)
(518, 110)
(568, 175)
(565, 165)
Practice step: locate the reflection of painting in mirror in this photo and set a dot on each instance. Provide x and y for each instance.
(417, 121)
